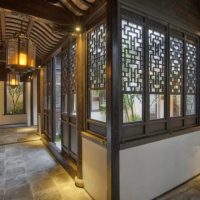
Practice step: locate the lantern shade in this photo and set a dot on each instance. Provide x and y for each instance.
(21, 53)
(13, 79)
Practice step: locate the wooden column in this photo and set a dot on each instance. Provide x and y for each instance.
(41, 102)
(113, 91)
(81, 102)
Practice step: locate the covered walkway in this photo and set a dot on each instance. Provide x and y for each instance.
(28, 171)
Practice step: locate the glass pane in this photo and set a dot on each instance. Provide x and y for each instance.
(23, 52)
(175, 105)
(12, 52)
(190, 105)
(31, 54)
(15, 99)
(98, 105)
(73, 111)
(156, 106)
(58, 100)
(132, 107)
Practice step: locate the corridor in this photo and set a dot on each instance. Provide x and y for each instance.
(28, 171)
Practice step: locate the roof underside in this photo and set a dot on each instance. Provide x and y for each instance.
(43, 33)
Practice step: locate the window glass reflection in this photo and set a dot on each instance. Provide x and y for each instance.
(132, 107)
(175, 105)
(156, 106)
(98, 105)
(190, 105)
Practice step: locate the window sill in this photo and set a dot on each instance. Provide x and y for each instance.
(155, 138)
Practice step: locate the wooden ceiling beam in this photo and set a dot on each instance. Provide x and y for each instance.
(3, 26)
(41, 9)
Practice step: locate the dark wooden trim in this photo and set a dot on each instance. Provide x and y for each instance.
(31, 102)
(113, 89)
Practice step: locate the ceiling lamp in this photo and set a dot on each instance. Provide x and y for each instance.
(13, 79)
(21, 53)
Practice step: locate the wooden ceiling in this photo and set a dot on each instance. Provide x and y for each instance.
(46, 22)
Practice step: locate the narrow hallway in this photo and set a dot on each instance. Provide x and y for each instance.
(28, 171)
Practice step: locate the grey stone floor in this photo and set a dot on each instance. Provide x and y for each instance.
(188, 191)
(19, 134)
(28, 171)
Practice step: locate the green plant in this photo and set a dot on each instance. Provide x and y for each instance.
(15, 93)
(129, 106)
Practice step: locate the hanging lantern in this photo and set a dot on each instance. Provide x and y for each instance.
(21, 53)
(13, 79)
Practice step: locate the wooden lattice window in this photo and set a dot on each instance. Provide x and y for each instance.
(96, 62)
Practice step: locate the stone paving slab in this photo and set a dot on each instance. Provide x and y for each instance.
(29, 172)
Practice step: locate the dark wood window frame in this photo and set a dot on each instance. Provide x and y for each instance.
(93, 126)
(169, 125)
(5, 100)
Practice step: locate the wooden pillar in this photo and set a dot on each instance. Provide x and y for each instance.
(41, 102)
(113, 91)
(81, 94)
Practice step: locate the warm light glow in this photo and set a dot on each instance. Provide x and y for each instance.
(22, 59)
(14, 82)
(78, 29)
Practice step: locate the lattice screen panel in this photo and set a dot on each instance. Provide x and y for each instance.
(191, 68)
(132, 57)
(97, 57)
(64, 74)
(156, 62)
(176, 65)
(72, 67)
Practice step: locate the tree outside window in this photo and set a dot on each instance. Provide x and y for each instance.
(14, 99)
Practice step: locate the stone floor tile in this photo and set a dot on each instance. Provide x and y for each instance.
(28, 171)
(17, 193)
(50, 194)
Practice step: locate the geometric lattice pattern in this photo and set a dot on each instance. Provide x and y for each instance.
(191, 68)
(132, 57)
(72, 67)
(96, 41)
(64, 74)
(176, 65)
(156, 62)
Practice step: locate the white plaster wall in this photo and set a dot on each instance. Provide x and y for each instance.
(150, 170)
(35, 114)
(9, 119)
(94, 169)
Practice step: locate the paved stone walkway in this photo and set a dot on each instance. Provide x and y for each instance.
(188, 191)
(28, 171)
(19, 134)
